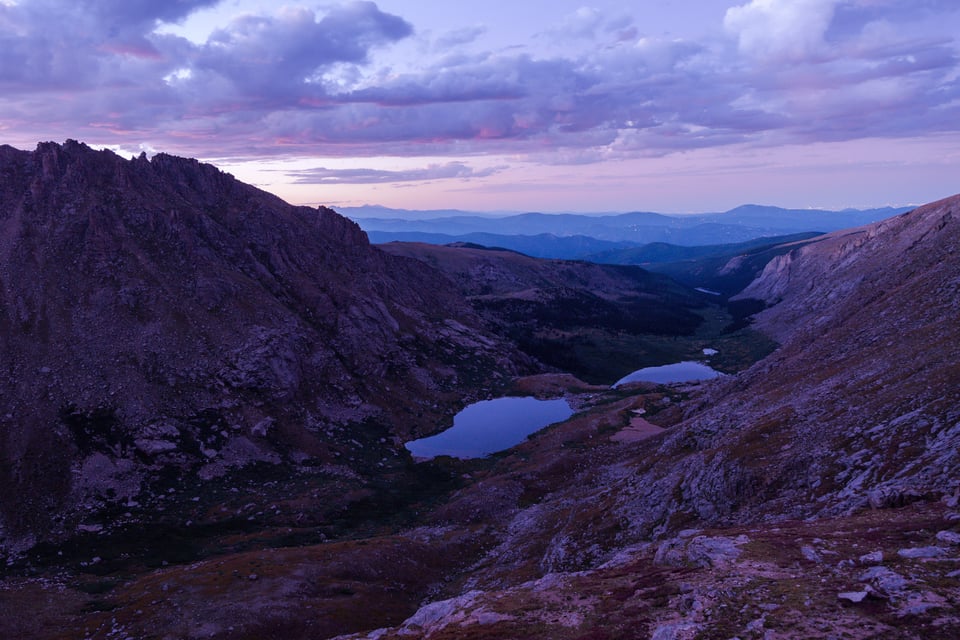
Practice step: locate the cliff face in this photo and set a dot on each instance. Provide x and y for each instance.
(829, 280)
(160, 314)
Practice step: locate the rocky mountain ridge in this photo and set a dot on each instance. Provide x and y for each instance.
(156, 314)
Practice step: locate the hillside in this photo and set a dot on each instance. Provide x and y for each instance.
(598, 322)
(161, 322)
(543, 245)
(725, 269)
(814, 494)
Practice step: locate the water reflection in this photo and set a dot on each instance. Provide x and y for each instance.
(687, 371)
(491, 425)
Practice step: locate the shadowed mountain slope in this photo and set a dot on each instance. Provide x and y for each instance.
(598, 322)
(158, 314)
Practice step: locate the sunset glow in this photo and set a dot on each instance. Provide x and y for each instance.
(554, 106)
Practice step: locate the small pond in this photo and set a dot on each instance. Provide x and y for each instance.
(491, 425)
(687, 371)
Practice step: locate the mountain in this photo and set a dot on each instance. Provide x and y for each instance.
(815, 492)
(381, 212)
(162, 324)
(857, 405)
(724, 269)
(797, 220)
(598, 322)
(544, 245)
(737, 225)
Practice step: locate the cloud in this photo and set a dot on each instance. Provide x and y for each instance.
(588, 23)
(276, 59)
(781, 30)
(97, 71)
(322, 175)
(47, 44)
(459, 37)
(102, 45)
(298, 82)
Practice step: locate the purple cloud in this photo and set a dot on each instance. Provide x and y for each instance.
(280, 59)
(50, 45)
(322, 175)
(306, 83)
(459, 37)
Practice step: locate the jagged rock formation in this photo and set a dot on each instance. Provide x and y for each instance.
(159, 314)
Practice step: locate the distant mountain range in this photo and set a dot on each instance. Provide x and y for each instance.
(580, 235)
(543, 245)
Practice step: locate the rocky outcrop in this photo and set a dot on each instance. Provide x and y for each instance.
(157, 312)
(756, 583)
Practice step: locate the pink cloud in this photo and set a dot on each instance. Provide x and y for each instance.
(260, 86)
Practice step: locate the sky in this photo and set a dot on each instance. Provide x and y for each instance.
(521, 105)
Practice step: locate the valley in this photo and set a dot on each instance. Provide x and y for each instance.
(206, 396)
(598, 322)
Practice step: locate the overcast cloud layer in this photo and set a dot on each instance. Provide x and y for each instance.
(590, 87)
